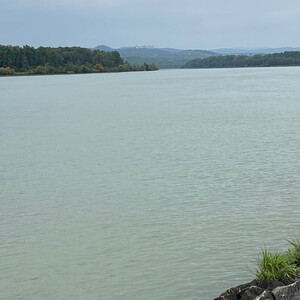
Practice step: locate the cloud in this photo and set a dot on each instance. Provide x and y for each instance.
(284, 14)
(176, 23)
(68, 4)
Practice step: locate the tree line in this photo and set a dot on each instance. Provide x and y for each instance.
(289, 58)
(62, 60)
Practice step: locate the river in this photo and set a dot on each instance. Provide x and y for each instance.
(145, 186)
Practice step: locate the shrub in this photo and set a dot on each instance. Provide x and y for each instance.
(294, 252)
(275, 265)
(6, 71)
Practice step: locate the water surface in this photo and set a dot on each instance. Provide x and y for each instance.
(149, 185)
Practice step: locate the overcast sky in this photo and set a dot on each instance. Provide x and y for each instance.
(184, 24)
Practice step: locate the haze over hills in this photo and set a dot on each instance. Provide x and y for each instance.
(249, 51)
(164, 57)
(167, 58)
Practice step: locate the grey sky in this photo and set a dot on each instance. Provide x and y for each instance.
(193, 24)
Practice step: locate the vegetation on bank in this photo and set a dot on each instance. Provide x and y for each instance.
(164, 58)
(26, 60)
(279, 265)
(291, 58)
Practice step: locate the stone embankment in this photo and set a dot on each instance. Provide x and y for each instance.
(258, 290)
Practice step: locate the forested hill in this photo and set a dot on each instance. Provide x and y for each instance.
(62, 60)
(241, 61)
(165, 58)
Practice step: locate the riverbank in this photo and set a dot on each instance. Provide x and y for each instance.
(26, 60)
(277, 277)
(259, 290)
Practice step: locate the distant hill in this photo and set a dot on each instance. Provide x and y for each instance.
(171, 58)
(103, 48)
(165, 58)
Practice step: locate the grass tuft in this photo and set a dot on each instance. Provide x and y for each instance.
(294, 251)
(276, 265)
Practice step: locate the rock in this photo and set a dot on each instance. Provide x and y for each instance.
(259, 290)
(252, 292)
(296, 296)
(271, 285)
(265, 295)
(287, 292)
(235, 293)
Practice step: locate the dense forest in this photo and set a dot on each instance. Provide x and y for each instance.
(291, 58)
(63, 60)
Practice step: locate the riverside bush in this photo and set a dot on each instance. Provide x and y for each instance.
(276, 265)
(294, 252)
